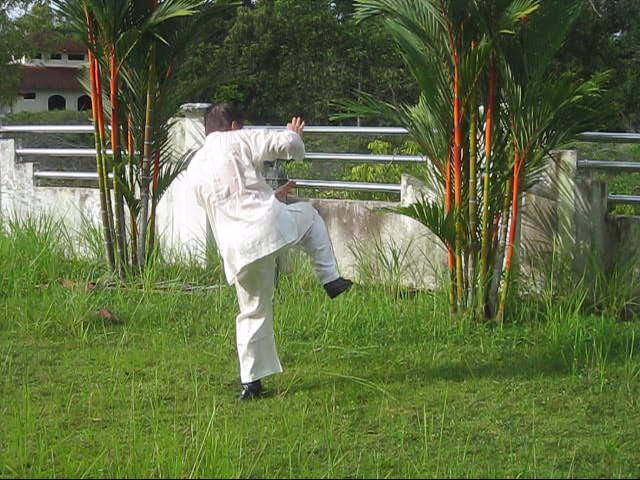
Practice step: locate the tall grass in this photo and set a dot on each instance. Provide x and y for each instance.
(376, 384)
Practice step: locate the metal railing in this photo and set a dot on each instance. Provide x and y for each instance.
(609, 137)
(596, 137)
(609, 165)
(92, 177)
(612, 166)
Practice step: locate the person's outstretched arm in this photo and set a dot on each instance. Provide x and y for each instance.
(268, 145)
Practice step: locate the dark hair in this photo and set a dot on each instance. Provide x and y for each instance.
(220, 117)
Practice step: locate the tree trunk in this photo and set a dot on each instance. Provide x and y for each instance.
(117, 166)
(457, 175)
(146, 161)
(473, 202)
(488, 145)
(492, 300)
(154, 202)
(102, 180)
(451, 260)
(132, 184)
(517, 169)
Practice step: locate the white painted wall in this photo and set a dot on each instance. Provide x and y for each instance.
(41, 102)
(20, 197)
(47, 61)
(181, 223)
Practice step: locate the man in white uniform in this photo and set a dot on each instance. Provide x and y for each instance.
(252, 227)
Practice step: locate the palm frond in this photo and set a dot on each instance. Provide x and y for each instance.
(433, 216)
(171, 170)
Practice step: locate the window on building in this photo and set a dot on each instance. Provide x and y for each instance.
(29, 96)
(56, 56)
(84, 103)
(76, 57)
(57, 102)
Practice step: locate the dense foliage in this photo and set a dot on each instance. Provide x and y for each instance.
(284, 57)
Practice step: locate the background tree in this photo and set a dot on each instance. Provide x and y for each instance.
(607, 37)
(294, 56)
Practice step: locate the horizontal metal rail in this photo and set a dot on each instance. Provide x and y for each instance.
(46, 129)
(309, 129)
(609, 137)
(624, 199)
(339, 129)
(302, 183)
(58, 152)
(364, 157)
(80, 176)
(611, 165)
(602, 137)
(339, 185)
(349, 157)
(606, 137)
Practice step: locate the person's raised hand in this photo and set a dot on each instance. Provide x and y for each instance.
(296, 125)
(281, 193)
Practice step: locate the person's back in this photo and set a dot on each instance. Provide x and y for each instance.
(226, 175)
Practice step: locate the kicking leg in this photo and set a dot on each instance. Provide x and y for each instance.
(317, 244)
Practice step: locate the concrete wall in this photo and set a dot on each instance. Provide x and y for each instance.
(20, 197)
(376, 246)
(182, 225)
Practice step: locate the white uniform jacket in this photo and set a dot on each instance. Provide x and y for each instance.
(247, 220)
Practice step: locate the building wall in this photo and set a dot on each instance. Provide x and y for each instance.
(49, 62)
(41, 102)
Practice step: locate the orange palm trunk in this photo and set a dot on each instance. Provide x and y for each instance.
(451, 259)
(103, 137)
(98, 122)
(513, 229)
(457, 174)
(457, 157)
(488, 142)
(117, 163)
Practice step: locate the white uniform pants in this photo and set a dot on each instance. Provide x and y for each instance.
(255, 286)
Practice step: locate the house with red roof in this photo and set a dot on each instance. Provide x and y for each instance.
(51, 80)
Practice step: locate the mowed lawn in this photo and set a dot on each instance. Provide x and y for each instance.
(377, 383)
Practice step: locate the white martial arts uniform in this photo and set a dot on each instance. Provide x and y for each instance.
(251, 227)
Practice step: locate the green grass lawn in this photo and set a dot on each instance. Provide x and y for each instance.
(376, 383)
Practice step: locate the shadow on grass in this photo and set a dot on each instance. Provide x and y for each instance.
(551, 362)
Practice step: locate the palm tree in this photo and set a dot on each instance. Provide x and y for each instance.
(464, 54)
(95, 81)
(139, 43)
(162, 51)
(545, 110)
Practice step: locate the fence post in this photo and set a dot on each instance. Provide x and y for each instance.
(17, 195)
(182, 224)
(582, 215)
